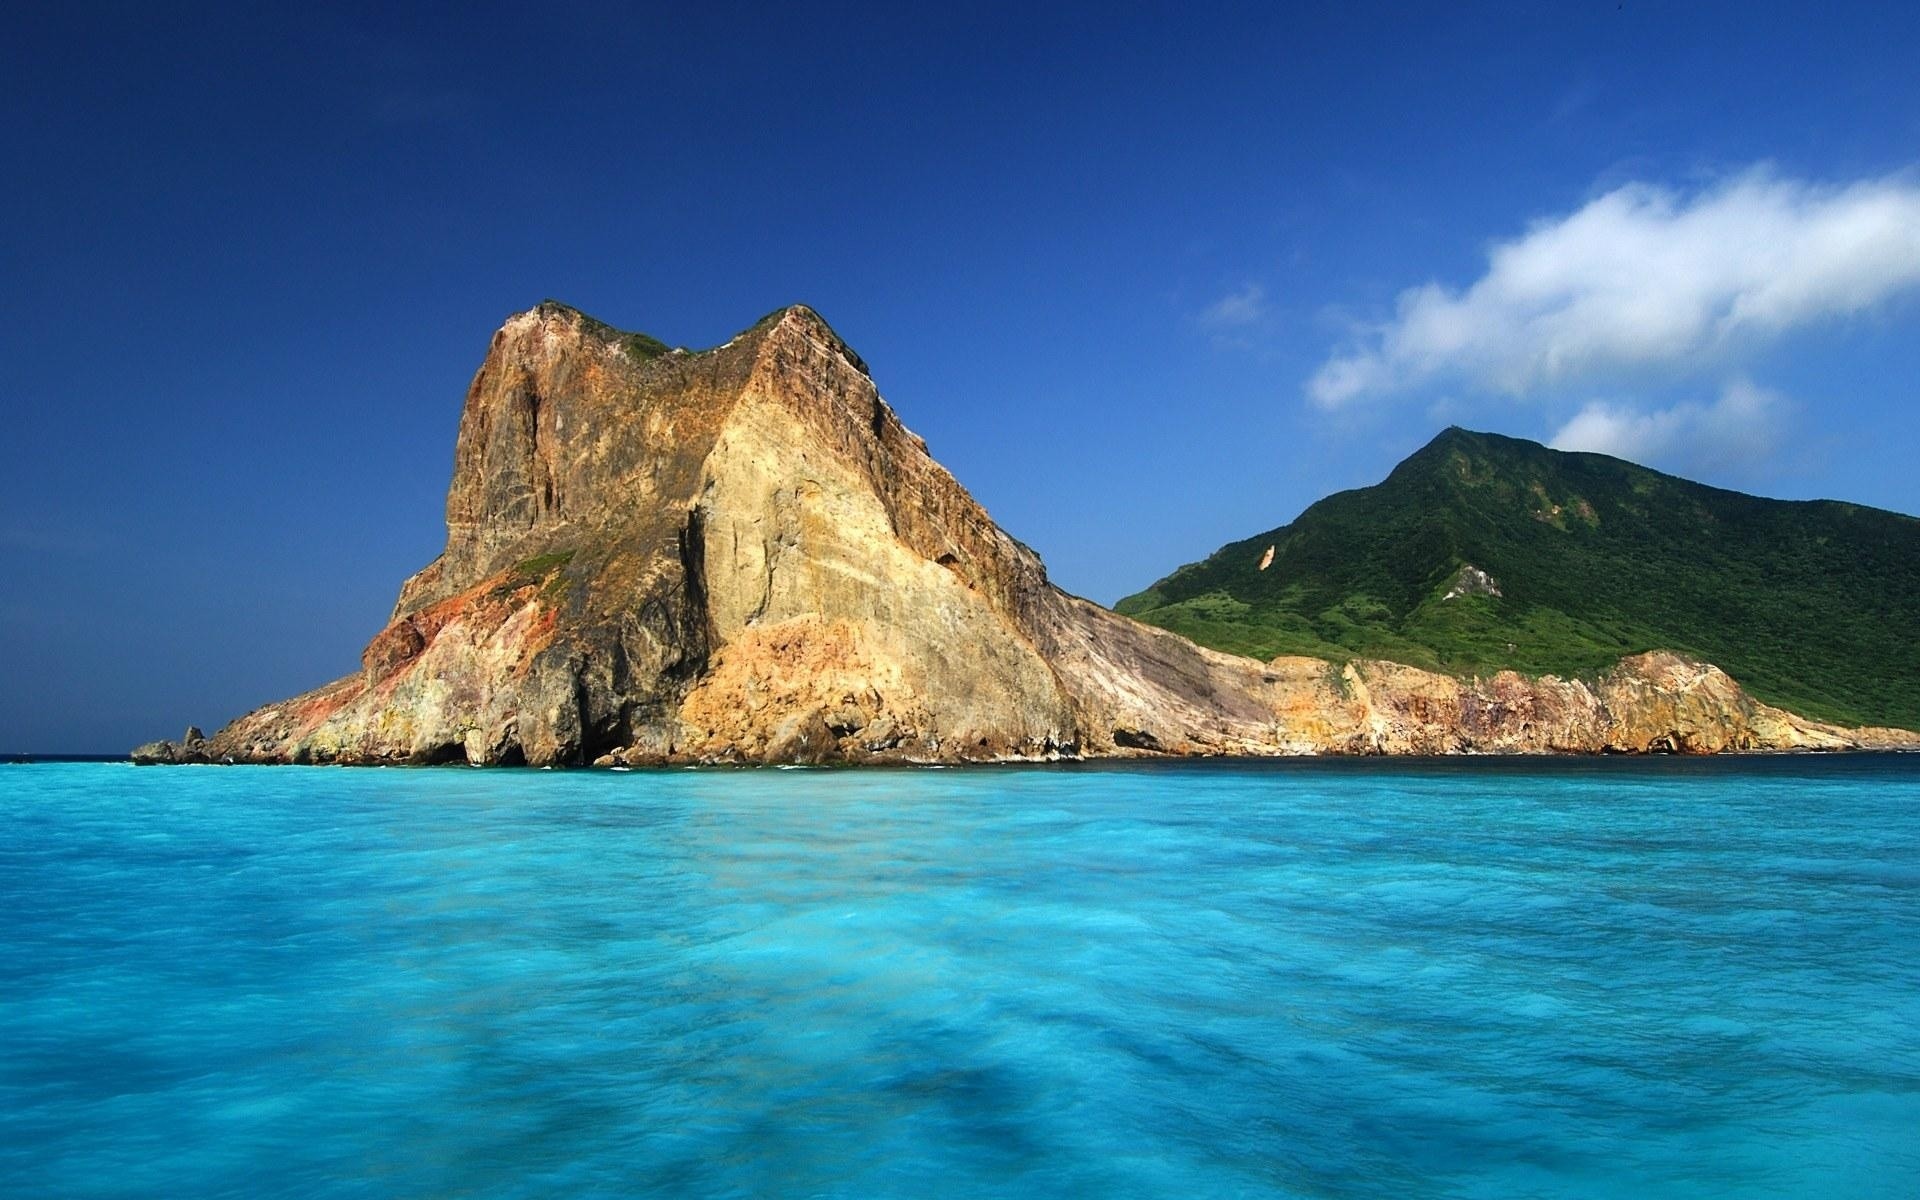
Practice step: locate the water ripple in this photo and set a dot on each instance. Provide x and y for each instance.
(1403, 979)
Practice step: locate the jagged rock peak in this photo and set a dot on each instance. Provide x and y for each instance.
(555, 319)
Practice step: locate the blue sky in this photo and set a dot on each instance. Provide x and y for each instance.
(1146, 279)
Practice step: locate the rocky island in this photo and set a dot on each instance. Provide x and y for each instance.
(742, 555)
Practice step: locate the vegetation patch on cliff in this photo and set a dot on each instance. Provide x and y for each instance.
(550, 570)
(541, 564)
(639, 346)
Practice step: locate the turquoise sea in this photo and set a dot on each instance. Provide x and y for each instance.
(1401, 979)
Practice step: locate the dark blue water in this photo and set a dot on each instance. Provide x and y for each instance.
(1476, 980)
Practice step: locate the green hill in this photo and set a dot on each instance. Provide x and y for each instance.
(1812, 605)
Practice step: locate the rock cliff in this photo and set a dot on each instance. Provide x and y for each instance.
(742, 555)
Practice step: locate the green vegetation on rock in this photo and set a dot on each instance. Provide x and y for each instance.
(1812, 605)
(550, 569)
(541, 564)
(639, 346)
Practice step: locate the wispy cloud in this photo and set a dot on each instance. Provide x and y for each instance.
(1644, 277)
(1739, 431)
(1237, 309)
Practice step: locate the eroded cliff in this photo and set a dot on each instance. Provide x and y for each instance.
(742, 555)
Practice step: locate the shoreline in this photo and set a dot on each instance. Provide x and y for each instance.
(1459, 757)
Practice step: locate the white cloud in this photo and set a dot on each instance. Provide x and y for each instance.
(1645, 277)
(1236, 310)
(1744, 427)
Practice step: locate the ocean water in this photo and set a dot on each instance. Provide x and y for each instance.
(1465, 979)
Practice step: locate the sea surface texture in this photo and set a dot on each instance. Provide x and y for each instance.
(1469, 979)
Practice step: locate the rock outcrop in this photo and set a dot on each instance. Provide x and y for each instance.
(1471, 581)
(742, 555)
(191, 748)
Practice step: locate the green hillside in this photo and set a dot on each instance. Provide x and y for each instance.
(1813, 605)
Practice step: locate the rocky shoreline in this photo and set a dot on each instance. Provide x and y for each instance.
(742, 556)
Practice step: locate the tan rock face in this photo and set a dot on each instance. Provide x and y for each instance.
(742, 555)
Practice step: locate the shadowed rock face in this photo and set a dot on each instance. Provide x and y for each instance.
(742, 555)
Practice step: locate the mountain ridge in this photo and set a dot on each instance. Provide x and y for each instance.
(1595, 558)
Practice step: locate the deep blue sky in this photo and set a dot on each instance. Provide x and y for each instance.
(1105, 260)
